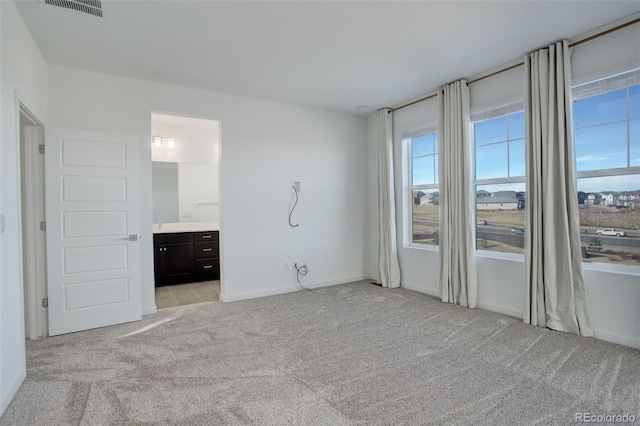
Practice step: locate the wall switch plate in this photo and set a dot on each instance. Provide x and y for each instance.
(296, 185)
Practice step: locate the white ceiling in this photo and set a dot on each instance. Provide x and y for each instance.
(330, 55)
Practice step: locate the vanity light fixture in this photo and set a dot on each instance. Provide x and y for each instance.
(160, 141)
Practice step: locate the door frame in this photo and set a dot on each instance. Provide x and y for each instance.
(32, 193)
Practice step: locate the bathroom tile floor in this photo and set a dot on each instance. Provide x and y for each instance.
(187, 294)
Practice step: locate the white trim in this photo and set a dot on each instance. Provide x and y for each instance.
(12, 390)
(32, 208)
(601, 173)
(489, 254)
(288, 289)
(496, 111)
(630, 270)
(149, 310)
(500, 309)
(616, 338)
(427, 247)
(598, 334)
(420, 289)
(432, 128)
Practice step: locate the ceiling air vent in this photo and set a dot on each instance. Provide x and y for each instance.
(92, 7)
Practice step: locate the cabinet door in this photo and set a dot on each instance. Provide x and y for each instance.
(178, 261)
(158, 262)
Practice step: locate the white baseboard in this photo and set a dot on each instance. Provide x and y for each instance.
(616, 338)
(8, 395)
(421, 289)
(149, 310)
(482, 305)
(288, 289)
(500, 309)
(598, 334)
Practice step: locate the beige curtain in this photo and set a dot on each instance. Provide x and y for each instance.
(458, 277)
(387, 247)
(556, 295)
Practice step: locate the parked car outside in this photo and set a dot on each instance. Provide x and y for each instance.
(482, 222)
(611, 231)
(517, 231)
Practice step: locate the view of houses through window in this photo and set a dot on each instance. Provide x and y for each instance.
(606, 119)
(424, 188)
(500, 179)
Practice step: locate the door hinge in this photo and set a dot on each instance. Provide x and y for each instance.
(43, 225)
(45, 302)
(41, 148)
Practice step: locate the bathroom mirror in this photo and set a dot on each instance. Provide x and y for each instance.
(185, 192)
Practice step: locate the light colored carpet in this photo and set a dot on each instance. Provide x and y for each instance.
(356, 354)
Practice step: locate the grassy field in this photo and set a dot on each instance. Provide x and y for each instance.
(626, 219)
(591, 219)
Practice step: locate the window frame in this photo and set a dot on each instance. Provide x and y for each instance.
(408, 187)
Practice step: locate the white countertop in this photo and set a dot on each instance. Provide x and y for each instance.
(167, 228)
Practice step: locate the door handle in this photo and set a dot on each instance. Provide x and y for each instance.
(132, 237)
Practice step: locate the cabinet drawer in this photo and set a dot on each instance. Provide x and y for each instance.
(208, 268)
(178, 237)
(205, 236)
(208, 249)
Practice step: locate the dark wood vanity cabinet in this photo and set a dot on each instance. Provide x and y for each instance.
(186, 257)
(206, 255)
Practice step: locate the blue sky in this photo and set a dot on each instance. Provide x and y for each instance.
(606, 135)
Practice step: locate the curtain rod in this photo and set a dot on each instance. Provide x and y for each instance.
(516, 65)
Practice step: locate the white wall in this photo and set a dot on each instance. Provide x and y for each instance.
(23, 71)
(196, 140)
(613, 293)
(265, 145)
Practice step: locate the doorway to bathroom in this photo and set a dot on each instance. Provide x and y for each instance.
(185, 154)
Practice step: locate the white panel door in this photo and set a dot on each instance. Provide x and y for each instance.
(92, 203)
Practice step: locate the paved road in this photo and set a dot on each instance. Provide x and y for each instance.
(629, 241)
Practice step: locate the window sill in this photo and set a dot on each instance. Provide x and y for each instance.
(630, 270)
(512, 257)
(425, 247)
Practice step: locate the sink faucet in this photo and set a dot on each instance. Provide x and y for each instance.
(159, 224)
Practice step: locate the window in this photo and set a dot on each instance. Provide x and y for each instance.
(500, 179)
(606, 120)
(424, 196)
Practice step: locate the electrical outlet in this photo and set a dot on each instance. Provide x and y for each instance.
(296, 185)
(287, 265)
